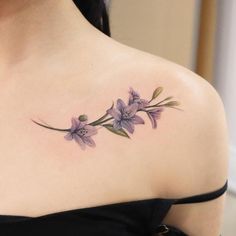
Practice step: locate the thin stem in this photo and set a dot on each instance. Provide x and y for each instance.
(67, 130)
(155, 106)
(100, 121)
(168, 98)
(45, 123)
(49, 127)
(150, 100)
(103, 121)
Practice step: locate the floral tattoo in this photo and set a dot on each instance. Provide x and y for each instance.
(124, 118)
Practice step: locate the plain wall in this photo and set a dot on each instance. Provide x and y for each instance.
(167, 28)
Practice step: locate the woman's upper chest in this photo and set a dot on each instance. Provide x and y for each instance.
(40, 170)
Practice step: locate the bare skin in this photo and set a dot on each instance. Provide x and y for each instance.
(55, 65)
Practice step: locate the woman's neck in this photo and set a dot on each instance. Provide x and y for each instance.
(32, 29)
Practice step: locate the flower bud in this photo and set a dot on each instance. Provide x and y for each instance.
(83, 117)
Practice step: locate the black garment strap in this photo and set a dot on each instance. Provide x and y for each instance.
(169, 230)
(203, 197)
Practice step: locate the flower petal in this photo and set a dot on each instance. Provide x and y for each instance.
(68, 136)
(137, 120)
(75, 123)
(81, 124)
(117, 124)
(131, 109)
(159, 109)
(120, 105)
(131, 100)
(143, 103)
(156, 113)
(153, 121)
(114, 113)
(133, 93)
(89, 141)
(79, 141)
(91, 130)
(128, 125)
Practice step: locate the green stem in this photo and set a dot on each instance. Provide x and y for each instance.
(100, 120)
(168, 98)
(98, 123)
(45, 126)
(155, 106)
(67, 130)
(150, 100)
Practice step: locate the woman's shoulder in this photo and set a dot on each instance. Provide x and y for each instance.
(186, 140)
(135, 64)
(148, 71)
(191, 141)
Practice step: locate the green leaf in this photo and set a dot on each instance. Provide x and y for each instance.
(156, 92)
(116, 131)
(172, 103)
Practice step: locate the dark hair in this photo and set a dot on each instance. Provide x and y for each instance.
(96, 13)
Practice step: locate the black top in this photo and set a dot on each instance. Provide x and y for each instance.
(133, 218)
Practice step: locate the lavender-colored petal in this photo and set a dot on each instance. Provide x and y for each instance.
(89, 141)
(114, 113)
(153, 121)
(131, 109)
(156, 112)
(68, 136)
(91, 130)
(117, 124)
(131, 90)
(79, 141)
(143, 103)
(131, 100)
(120, 105)
(154, 115)
(75, 123)
(137, 120)
(131, 97)
(81, 124)
(159, 109)
(129, 126)
(134, 93)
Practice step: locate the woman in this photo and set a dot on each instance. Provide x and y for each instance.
(101, 138)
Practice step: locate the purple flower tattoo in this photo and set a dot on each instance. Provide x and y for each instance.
(134, 97)
(154, 115)
(81, 132)
(124, 118)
